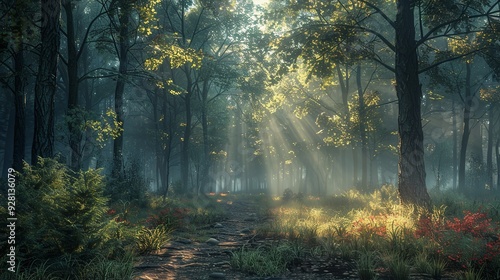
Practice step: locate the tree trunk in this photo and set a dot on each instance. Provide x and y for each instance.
(411, 185)
(186, 141)
(167, 152)
(123, 18)
(74, 123)
(344, 89)
(362, 130)
(497, 155)
(206, 145)
(20, 107)
(9, 143)
(455, 144)
(46, 81)
(489, 153)
(466, 130)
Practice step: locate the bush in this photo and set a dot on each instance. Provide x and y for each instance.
(131, 187)
(60, 212)
(148, 240)
(169, 217)
(289, 195)
(264, 262)
(470, 241)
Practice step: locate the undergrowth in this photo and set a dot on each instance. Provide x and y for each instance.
(383, 237)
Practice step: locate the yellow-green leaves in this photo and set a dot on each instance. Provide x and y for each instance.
(147, 14)
(491, 94)
(106, 127)
(176, 56)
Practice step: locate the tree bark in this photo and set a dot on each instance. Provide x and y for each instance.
(186, 137)
(20, 107)
(123, 18)
(206, 145)
(497, 155)
(46, 81)
(74, 123)
(344, 89)
(411, 185)
(466, 130)
(362, 130)
(489, 153)
(455, 144)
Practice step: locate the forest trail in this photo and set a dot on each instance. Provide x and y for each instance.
(185, 258)
(197, 259)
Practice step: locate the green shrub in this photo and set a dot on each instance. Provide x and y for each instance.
(110, 269)
(399, 268)
(366, 266)
(265, 262)
(131, 187)
(148, 240)
(60, 212)
(63, 226)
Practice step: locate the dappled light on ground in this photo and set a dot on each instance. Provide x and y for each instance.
(386, 239)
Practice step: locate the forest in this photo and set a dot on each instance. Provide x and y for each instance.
(250, 139)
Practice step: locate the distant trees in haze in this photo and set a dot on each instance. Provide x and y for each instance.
(221, 95)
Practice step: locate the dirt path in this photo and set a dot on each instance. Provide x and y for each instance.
(188, 259)
(194, 258)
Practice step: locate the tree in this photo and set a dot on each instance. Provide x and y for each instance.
(76, 46)
(412, 187)
(436, 21)
(46, 81)
(13, 46)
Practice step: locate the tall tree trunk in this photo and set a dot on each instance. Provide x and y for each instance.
(344, 89)
(466, 130)
(9, 142)
(74, 123)
(489, 153)
(123, 18)
(455, 144)
(206, 145)
(411, 186)
(186, 140)
(20, 107)
(497, 155)
(167, 152)
(46, 81)
(362, 130)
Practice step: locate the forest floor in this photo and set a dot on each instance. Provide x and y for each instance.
(190, 256)
(194, 258)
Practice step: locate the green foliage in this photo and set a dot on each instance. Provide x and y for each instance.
(101, 128)
(289, 195)
(204, 216)
(103, 268)
(169, 217)
(473, 274)
(264, 261)
(399, 268)
(60, 212)
(66, 267)
(63, 230)
(366, 266)
(148, 240)
(105, 127)
(132, 187)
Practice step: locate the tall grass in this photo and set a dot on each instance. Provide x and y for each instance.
(359, 226)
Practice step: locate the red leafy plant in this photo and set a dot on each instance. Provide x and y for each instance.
(371, 226)
(470, 241)
(171, 218)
